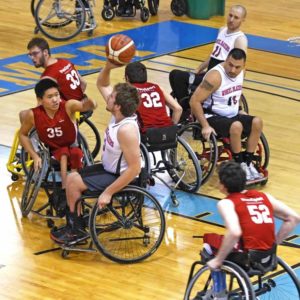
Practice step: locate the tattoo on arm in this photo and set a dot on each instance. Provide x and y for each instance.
(206, 85)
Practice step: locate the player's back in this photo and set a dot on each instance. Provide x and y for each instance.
(152, 111)
(67, 77)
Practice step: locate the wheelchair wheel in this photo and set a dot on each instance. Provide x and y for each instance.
(238, 285)
(108, 13)
(244, 104)
(130, 228)
(60, 20)
(26, 160)
(32, 185)
(262, 154)
(283, 283)
(153, 7)
(144, 14)
(32, 7)
(92, 136)
(184, 166)
(88, 159)
(205, 151)
(178, 7)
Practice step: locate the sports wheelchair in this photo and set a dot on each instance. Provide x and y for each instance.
(165, 151)
(216, 150)
(62, 20)
(127, 8)
(47, 178)
(253, 275)
(128, 230)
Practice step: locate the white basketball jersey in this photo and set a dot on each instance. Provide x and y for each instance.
(224, 43)
(225, 100)
(112, 158)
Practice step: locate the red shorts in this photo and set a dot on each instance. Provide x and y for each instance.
(74, 155)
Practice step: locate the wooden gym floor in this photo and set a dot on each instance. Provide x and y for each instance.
(272, 90)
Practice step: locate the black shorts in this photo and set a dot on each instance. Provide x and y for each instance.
(222, 125)
(96, 178)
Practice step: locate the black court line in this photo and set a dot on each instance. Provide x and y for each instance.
(46, 251)
(247, 88)
(250, 70)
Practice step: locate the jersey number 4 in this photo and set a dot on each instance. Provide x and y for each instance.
(151, 100)
(259, 214)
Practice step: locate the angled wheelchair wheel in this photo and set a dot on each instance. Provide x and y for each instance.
(238, 285)
(88, 159)
(153, 7)
(178, 7)
(92, 136)
(283, 283)
(32, 185)
(184, 166)
(244, 104)
(131, 228)
(108, 13)
(145, 14)
(60, 20)
(205, 151)
(26, 160)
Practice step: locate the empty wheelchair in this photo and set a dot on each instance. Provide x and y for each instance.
(167, 152)
(48, 179)
(62, 20)
(253, 275)
(128, 230)
(128, 8)
(210, 153)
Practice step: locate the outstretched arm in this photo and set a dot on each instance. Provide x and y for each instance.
(289, 217)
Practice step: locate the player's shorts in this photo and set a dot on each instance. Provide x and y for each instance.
(74, 155)
(222, 124)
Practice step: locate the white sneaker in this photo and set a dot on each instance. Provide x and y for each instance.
(247, 170)
(255, 174)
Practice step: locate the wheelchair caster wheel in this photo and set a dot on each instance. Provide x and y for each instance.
(90, 33)
(64, 254)
(174, 200)
(14, 177)
(50, 223)
(36, 30)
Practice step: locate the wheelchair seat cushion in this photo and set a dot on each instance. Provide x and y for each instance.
(163, 138)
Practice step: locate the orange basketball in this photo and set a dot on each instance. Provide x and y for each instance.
(120, 49)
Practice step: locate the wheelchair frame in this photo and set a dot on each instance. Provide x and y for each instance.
(45, 177)
(128, 230)
(216, 150)
(55, 20)
(176, 162)
(242, 284)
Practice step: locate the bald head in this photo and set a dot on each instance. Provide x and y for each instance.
(241, 8)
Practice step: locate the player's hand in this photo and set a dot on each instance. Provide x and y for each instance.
(37, 163)
(207, 131)
(104, 199)
(111, 65)
(214, 264)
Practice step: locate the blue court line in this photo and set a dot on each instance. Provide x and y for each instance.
(17, 73)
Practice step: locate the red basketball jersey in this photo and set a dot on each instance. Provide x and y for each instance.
(152, 111)
(64, 72)
(57, 132)
(256, 218)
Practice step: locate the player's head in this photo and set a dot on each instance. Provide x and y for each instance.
(47, 93)
(126, 97)
(235, 62)
(38, 51)
(236, 16)
(136, 72)
(232, 177)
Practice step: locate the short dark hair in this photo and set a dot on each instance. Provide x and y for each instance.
(237, 54)
(43, 85)
(232, 176)
(127, 97)
(136, 72)
(40, 43)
